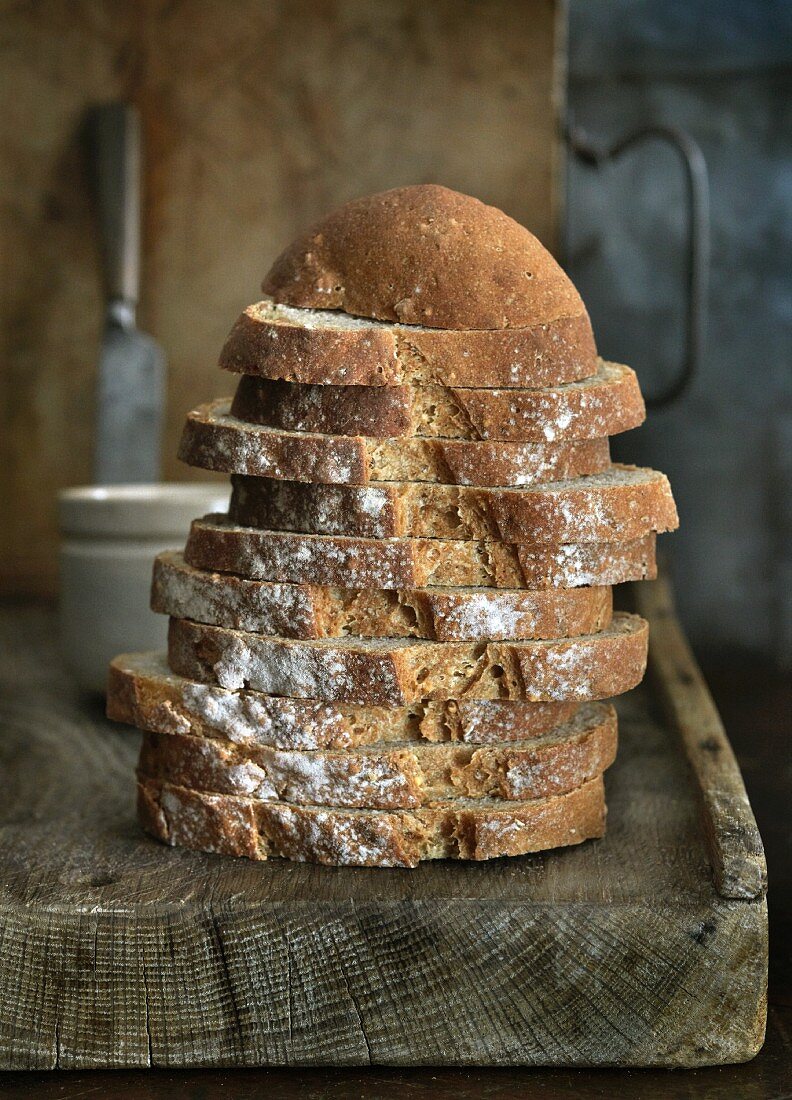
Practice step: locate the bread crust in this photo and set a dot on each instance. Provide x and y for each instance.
(424, 255)
(216, 545)
(272, 341)
(236, 826)
(395, 672)
(214, 440)
(315, 611)
(143, 692)
(607, 403)
(387, 777)
(627, 502)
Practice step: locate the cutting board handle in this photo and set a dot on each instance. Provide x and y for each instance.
(114, 130)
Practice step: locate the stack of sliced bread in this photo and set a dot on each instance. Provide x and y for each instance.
(397, 644)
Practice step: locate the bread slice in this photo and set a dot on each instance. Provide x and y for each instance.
(313, 611)
(214, 544)
(325, 348)
(425, 255)
(472, 829)
(215, 440)
(143, 692)
(624, 502)
(389, 777)
(398, 671)
(605, 404)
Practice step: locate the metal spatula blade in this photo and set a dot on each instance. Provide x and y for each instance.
(130, 400)
(131, 376)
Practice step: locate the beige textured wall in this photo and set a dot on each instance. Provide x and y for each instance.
(258, 116)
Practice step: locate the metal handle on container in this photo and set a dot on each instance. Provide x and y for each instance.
(698, 247)
(114, 131)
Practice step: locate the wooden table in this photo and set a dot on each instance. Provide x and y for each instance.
(760, 727)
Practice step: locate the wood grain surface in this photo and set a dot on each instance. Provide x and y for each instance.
(733, 842)
(258, 117)
(119, 952)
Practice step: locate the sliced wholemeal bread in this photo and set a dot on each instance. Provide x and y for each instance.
(424, 255)
(624, 502)
(320, 347)
(143, 692)
(395, 671)
(214, 544)
(607, 403)
(314, 611)
(215, 440)
(474, 829)
(391, 776)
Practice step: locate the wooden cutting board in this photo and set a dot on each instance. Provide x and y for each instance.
(645, 948)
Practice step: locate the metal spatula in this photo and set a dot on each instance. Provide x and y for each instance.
(131, 375)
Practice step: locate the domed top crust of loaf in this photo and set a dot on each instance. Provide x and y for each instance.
(424, 255)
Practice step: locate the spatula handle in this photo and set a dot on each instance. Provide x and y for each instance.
(115, 145)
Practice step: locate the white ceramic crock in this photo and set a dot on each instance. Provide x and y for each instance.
(110, 535)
